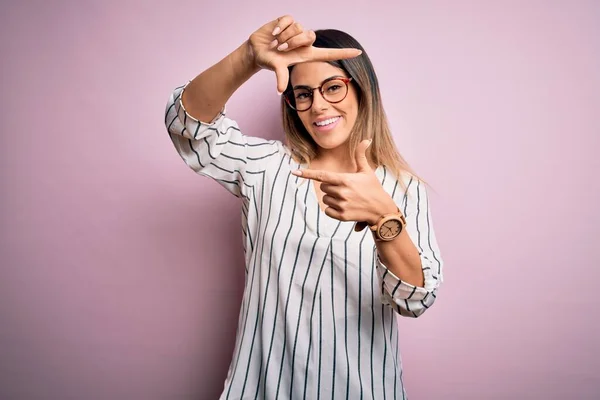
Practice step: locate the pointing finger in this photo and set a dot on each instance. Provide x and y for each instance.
(322, 54)
(319, 175)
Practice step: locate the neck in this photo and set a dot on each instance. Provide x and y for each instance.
(335, 160)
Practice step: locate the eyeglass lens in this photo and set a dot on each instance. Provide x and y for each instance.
(333, 91)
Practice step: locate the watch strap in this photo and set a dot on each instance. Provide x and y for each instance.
(360, 225)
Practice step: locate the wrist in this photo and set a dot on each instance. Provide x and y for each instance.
(384, 207)
(243, 61)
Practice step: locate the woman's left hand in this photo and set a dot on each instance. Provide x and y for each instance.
(355, 196)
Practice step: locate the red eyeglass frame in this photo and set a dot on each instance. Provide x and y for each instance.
(312, 91)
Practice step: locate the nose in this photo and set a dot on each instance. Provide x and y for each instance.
(318, 101)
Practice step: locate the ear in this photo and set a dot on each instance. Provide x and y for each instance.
(362, 162)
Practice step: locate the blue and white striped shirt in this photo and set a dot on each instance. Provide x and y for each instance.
(318, 315)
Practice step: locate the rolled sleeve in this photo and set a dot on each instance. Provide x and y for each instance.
(407, 299)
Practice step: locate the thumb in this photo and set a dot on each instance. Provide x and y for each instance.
(283, 76)
(362, 162)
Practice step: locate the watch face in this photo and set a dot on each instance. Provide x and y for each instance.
(390, 229)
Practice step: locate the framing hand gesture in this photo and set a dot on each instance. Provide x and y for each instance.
(283, 42)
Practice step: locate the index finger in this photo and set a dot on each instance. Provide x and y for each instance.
(319, 175)
(325, 54)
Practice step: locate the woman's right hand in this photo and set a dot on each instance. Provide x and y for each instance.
(284, 42)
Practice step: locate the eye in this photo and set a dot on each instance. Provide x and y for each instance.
(334, 88)
(302, 95)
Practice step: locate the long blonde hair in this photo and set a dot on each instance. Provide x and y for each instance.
(371, 121)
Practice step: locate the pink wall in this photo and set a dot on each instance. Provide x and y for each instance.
(115, 280)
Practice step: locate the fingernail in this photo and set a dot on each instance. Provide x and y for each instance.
(273, 44)
(276, 30)
(297, 173)
(279, 93)
(282, 46)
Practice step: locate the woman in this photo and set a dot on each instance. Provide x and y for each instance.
(318, 312)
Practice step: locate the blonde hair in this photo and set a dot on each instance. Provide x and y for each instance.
(371, 121)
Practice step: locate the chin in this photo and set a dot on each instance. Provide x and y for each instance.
(330, 143)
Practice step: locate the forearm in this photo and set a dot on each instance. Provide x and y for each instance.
(399, 255)
(402, 258)
(206, 94)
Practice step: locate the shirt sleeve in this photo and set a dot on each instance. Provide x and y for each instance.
(218, 149)
(409, 300)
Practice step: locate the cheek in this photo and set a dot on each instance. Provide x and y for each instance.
(354, 116)
(307, 125)
(303, 118)
(351, 108)
(351, 115)
(305, 122)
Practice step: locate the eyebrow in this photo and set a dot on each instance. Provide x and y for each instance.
(325, 80)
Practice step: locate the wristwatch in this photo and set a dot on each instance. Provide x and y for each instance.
(387, 228)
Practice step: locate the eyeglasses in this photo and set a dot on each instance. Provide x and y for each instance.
(334, 90)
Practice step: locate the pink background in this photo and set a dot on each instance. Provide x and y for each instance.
(122, 271)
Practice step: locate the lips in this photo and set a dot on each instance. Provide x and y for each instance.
(323, 122)
(330, 124)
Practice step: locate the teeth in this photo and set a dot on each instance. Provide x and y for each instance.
(327, 121)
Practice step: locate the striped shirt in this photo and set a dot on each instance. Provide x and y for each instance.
(318, 315)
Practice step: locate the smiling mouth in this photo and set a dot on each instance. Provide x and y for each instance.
(326, 122)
